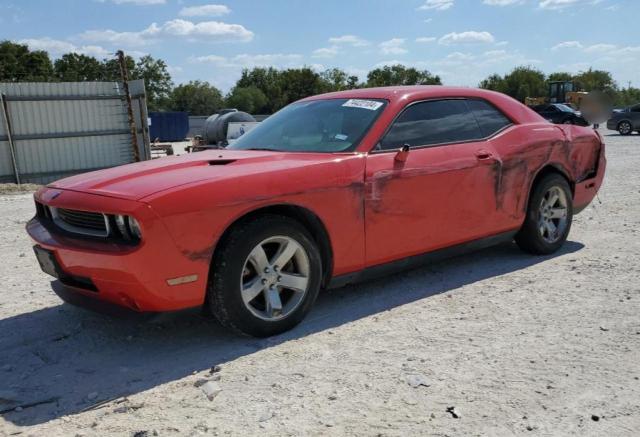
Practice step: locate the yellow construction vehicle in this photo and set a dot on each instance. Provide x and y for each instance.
(559, 92)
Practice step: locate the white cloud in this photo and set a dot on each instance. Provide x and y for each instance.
(567, 45)
(351, 40)
(438, 5)
(326, 52)
(208, 31)
(458, 56)
(425, 39)
(205, 11)
(57, 47)
(247, 60)
(557, 4)
(598, 48)
(393, 46)
(501, 2)
(467, 37)
(136, 2)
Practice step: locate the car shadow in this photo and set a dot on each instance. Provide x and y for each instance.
(63, 360)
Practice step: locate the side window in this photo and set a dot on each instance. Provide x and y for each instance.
(433, 122)
(490, 119)
(635, 108)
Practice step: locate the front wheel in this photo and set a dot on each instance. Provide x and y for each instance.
(549, 216)
(266, 276)
(624, 128)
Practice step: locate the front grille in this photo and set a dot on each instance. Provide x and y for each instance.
(83, 219)
(81, 222)
(86, 223)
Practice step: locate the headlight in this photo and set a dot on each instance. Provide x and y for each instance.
(135, 227)
(128, 227)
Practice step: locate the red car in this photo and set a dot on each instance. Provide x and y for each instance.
(332, 189)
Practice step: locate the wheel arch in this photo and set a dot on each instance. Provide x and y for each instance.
(551, 168)
(628, 120)
(304, 216)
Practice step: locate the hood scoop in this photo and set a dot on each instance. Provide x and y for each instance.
(221, 161)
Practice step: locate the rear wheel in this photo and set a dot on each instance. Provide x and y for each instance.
(266, 276)
(549, 216)
(625, 128)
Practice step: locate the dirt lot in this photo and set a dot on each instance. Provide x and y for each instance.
(493, 343)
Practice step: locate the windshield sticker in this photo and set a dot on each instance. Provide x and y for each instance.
(341, 137)
(371, 105)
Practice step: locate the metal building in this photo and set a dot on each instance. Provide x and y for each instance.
(59, 129)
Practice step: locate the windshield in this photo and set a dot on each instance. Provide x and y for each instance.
(564, 108)
(332, 125)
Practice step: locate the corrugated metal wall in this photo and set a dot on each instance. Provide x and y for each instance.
(60, 129)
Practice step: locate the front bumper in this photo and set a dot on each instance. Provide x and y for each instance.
(133, 277)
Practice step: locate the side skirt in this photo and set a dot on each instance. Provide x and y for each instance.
(415, 261)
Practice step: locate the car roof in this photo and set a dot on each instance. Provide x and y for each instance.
(399, 96)
(412, 92)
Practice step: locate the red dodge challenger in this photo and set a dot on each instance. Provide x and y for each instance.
(330, 190)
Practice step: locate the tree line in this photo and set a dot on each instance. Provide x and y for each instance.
(264, 90)
(525, 81)
(260, 90)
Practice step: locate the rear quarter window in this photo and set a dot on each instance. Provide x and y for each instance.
(490, 119)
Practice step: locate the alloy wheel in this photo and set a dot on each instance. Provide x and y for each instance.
(624, 128)
(275, 278)
(552, 215)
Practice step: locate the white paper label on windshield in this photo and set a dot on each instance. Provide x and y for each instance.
(371, 105)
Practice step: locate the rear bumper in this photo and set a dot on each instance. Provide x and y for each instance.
(586, 190)
(132, 277)
(612, 125)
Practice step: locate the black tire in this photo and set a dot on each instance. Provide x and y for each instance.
(529, 238)
(224, 298)
(625, 128)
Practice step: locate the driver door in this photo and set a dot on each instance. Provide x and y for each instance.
(439, 193)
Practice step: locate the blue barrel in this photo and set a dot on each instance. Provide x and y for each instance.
(168, 126)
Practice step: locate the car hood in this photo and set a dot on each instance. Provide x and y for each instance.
(142, 179)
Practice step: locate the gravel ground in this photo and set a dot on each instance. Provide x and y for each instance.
(492, 343)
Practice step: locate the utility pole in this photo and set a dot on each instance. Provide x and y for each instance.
(124, 75)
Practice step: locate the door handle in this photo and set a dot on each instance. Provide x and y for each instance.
(484, 155)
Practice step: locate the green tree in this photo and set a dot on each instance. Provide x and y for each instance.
(627, 97)
(335, 79)
(282, 87)
(298, 83)
(524, 82)
(400, 75)
(560, 76)
(111, 68)
(74, 67)
(495, 82)
(595, 80)
(19, 64)
(249, 99)
(157, 81)
(267, 80)
(196, 98)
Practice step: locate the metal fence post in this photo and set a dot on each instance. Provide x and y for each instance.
(132, 122)
(142, 105)
(7, 127)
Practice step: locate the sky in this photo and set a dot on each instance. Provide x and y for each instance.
(462, 41)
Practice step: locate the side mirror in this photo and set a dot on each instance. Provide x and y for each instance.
(402, 154)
